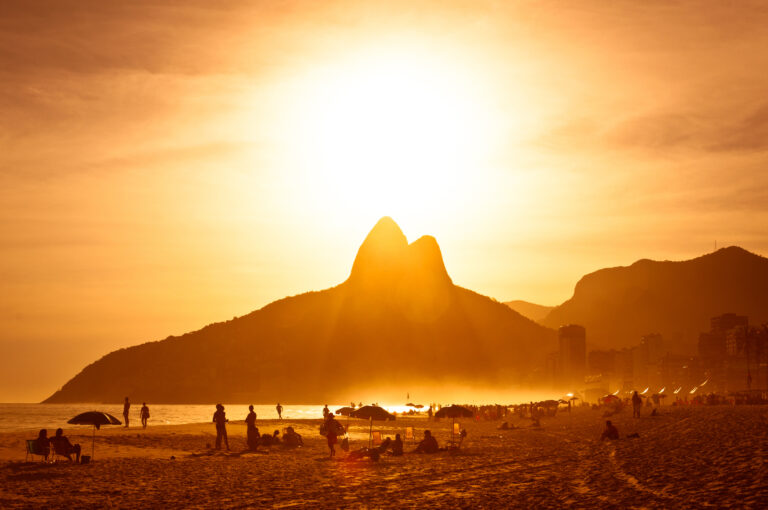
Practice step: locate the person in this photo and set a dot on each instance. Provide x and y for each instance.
(62, 446)
(220, 419)
(126, 408)
(429, 413)
(279, 410)
(276, 437)
(252, 433)
(637, 405)
(291, 439)
(397, 446)
(326, 412)
(610, 432)
(144, 414)
(43, 444)
(428, 444)
(331, 430)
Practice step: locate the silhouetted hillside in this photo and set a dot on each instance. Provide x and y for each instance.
(397, 320)
(677, 299)
(531, 310)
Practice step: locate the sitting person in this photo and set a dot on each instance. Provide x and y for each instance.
(43, 444)
(428, 444)
(62, 446)
(291, 439)
(397, 446)
(276, 437)
(610, 432)
(374, 453)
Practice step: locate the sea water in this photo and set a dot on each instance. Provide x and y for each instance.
(52, 416)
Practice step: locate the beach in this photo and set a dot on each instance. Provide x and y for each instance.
(684, 457)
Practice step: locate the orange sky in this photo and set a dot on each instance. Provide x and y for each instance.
(164, 166)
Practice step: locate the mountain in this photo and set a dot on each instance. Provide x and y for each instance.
(397, 321)
(677, 299)
(531, 310)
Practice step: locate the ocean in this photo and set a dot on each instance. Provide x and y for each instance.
(51, 416)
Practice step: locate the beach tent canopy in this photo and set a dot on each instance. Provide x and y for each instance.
(372, 413)
(454, 411)
(95, 418)
(345, 411)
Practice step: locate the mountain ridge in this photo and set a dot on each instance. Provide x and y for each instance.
(397, 320)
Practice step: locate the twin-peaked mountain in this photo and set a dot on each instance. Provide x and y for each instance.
(397, 321)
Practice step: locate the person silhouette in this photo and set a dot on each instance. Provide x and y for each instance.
(637, 405)
(331, 431)
(279, 410)
(220, 419)
(252, 433)
(126, 409)
(144, 414)
(326, 412)
(62, 446)
(610, 432)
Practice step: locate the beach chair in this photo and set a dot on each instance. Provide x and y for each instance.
(33, 450)
(376, 438)
(410, 435)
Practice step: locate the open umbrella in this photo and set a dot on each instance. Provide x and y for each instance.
(453, 412)
(345, 411)
(417, 406)
(96, 419)
(371, 413)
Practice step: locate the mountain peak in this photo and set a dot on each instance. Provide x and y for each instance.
(385, 257)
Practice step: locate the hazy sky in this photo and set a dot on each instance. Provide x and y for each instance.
(164, 166)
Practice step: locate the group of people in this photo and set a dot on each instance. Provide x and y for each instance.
(143, 414)
(254, 439)
(60, 444)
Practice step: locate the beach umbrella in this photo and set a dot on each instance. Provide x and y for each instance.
(345, 411)
(417, 406)
(95, 419)
(371, 413)
(453, 412)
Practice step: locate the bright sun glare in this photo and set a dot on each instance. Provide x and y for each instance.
(396, 133)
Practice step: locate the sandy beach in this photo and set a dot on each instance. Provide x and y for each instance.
(686, 457)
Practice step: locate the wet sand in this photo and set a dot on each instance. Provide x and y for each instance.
(687, 457)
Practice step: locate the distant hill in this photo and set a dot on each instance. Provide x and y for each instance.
(531, 310)
(677, 299)
(397, 320)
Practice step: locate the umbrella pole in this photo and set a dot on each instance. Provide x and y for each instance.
(93, 442)
(453, 426)
(370, 433)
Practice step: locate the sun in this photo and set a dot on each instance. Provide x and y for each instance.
(391, 132)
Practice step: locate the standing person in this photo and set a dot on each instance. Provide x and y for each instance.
(429, 413)
(332, 428)
(252, 433)
(220, 419)
(326, 412)
(637, 405)
(126, 408)
(144, 414)
(279, 410)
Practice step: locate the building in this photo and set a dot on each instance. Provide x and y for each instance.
(572, 356)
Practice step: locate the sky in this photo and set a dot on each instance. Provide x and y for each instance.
(166, 165)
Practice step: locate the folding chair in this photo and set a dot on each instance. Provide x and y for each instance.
(376, 438)
(409, 434)
(33, 450)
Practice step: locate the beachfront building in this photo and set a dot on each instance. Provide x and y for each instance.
(572, 340)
